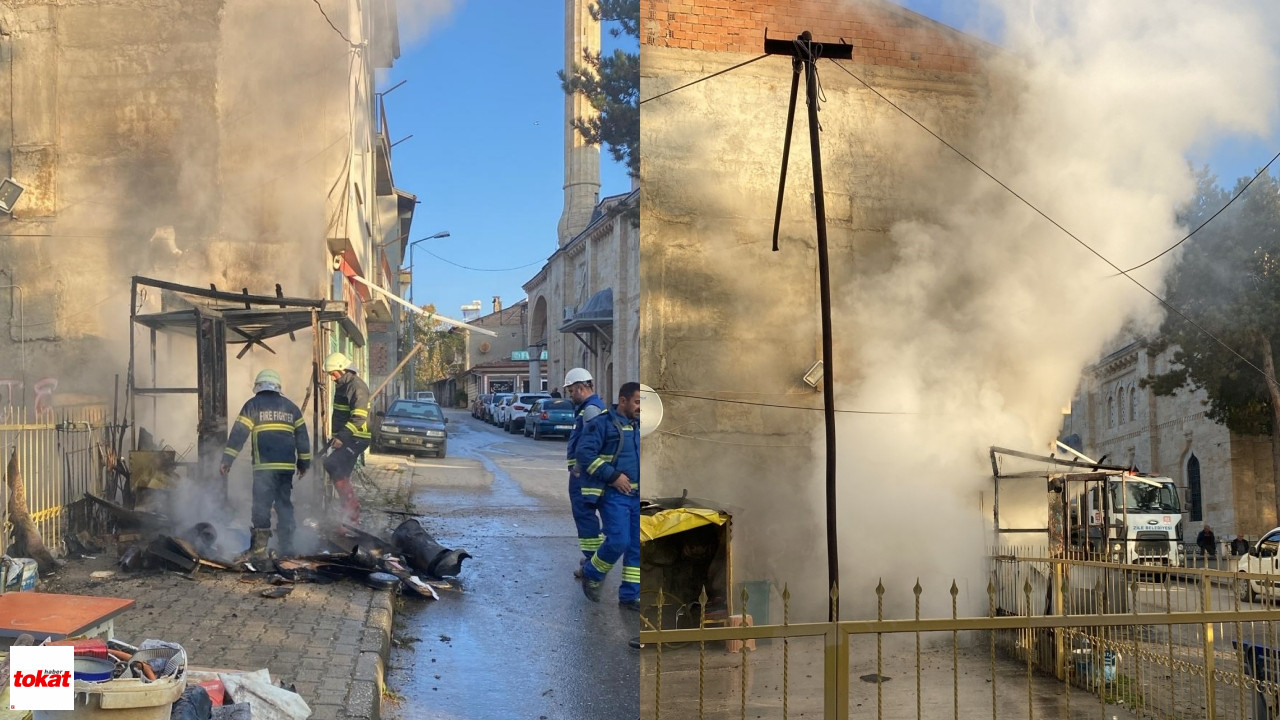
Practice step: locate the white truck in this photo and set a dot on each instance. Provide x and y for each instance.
(1125, 517)
(1100, 512)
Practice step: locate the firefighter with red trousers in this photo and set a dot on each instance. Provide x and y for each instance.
(350, 427)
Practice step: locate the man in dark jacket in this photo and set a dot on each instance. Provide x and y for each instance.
(278, 436)
(1239, 546)
(1207, 542)
(350, 427)
(608, 454)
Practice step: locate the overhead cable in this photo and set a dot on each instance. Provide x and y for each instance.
(1058, 225)
(1211, 217)
(465, 267)
(695, 82)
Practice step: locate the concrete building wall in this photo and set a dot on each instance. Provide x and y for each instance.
(724, 317)
(181, 140)
(1165, 432)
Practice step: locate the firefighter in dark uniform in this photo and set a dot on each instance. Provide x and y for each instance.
(350, 427)
(584, 495)
(278, 436)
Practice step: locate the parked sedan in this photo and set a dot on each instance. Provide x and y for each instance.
(418, 427)
(549, 417)
(515, 412)
(478, 407)
(492, 409)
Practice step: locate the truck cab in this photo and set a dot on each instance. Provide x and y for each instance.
(1124, 517)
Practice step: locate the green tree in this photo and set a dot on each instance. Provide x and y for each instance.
(442, 349)
(611, 83)
(1228, 282)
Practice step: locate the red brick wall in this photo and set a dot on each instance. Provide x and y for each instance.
(881, 33)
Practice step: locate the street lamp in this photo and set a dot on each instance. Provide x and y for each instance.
(412, 245)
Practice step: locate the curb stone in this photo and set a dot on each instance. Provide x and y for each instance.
(364, 698)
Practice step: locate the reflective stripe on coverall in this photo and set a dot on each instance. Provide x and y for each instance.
(584, 497)
(603, 464)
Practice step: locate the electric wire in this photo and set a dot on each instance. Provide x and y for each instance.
(1211, 217)
(695, 82)
(692, 396)
(465, 267)
(725, 442)
(326, 19)
(1056, 224)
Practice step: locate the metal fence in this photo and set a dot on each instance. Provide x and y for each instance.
(1060, 638)
(60, 457)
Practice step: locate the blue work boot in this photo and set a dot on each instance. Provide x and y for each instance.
(591, 588)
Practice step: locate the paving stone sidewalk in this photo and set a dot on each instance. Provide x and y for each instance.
(330, 641)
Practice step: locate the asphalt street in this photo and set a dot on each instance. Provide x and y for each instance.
(520, 640)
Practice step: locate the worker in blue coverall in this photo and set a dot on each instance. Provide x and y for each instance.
(584, 498)
(278, 435)
(609, 454)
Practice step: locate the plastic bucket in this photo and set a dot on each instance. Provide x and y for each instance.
(125, 699)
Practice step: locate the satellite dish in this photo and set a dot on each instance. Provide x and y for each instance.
(650, 410)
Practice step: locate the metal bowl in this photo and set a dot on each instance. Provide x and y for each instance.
(92, 669)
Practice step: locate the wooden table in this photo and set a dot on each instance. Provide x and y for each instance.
(51, 615)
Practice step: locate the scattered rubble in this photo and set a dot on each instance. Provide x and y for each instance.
(413, 559)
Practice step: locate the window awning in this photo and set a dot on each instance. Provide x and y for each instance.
(448, 321)
(592, 324)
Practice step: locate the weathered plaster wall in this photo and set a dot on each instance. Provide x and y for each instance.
(724, 316)
(224, 120)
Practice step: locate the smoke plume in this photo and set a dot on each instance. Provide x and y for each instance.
(979, 316)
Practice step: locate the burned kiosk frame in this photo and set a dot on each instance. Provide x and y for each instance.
(216, 319)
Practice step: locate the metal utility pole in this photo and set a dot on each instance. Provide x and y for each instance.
(805, 54)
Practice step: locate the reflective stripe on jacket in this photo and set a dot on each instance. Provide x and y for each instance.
(581, 417)
(350, 408)
(609, 447)
(277, 434)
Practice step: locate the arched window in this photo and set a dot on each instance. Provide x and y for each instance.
(1120, 404)
(1111, 411)
(1133, 403)
(1193, 489)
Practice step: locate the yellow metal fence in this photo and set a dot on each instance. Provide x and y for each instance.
(59, 460)
(1060, 638)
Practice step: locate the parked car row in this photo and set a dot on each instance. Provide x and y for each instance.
(537, 415)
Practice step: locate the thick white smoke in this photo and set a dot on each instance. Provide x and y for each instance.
(984, 314)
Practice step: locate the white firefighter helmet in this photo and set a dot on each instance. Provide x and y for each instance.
(336, 361)
(268, 377)
(576, 375)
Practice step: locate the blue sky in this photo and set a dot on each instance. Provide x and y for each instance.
(486, 112)
(1229, 157)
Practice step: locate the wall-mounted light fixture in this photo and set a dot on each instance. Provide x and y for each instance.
(10, 191)
(814, 376)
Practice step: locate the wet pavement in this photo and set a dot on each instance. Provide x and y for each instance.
(520, 641)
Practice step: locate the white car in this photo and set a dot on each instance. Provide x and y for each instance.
(1262, 559)
(495, 404)
(513, 416)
